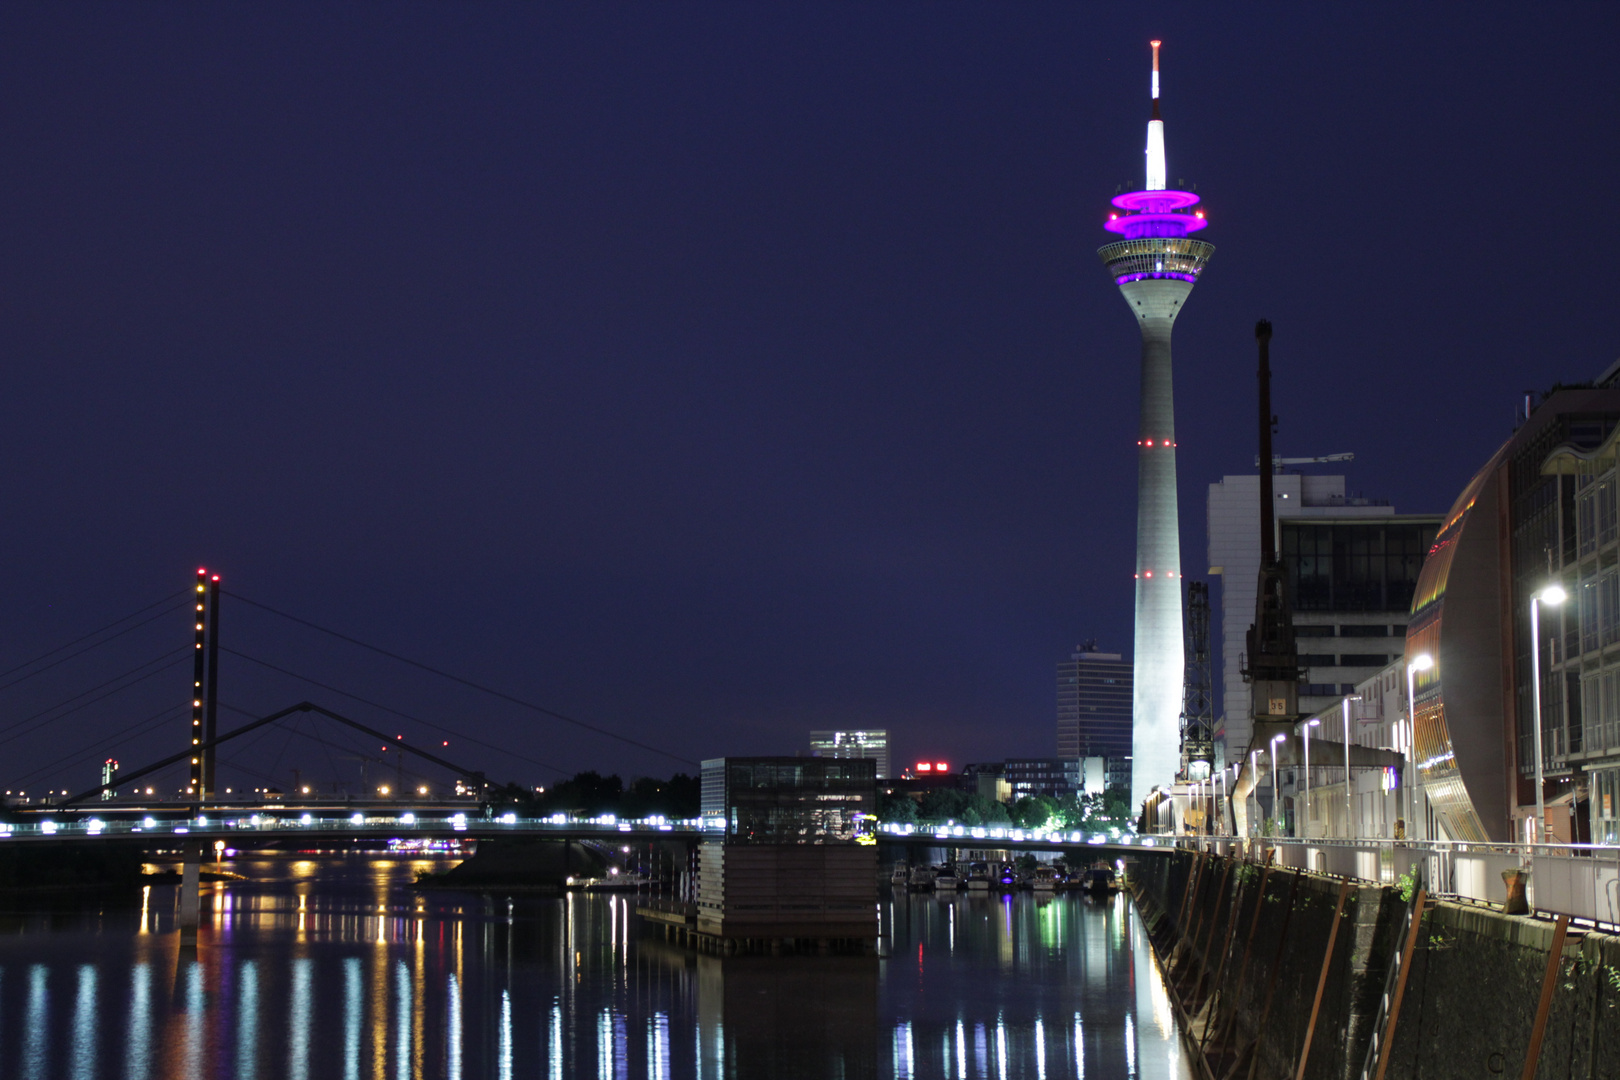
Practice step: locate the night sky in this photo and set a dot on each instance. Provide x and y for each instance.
(715, 372)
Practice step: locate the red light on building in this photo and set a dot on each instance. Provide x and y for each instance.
(940, 766)
(925, 766)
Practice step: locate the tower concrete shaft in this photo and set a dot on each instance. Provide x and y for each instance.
(1160, 653)
(1155, 267)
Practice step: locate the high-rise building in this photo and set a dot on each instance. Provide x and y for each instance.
(1351, 564)
(867, 743)
(1094, 710)
(1155, 267)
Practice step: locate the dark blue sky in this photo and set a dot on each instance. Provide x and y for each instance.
(716, 372)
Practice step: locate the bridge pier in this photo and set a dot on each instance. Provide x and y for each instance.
(190, 893)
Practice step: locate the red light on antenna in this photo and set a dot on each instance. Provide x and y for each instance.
(201, 571)
(215, 577)
(1155, 44)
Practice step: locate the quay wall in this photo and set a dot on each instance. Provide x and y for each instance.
(1471, 996)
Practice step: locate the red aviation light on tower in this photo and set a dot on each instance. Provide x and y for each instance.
(925, 766)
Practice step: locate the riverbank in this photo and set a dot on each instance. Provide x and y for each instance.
(1268, 965)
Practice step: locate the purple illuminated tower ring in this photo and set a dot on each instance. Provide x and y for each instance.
(1155, 266)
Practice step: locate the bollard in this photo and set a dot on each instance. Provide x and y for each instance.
(1516, 903)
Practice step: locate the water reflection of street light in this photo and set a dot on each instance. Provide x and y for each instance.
(1552, 596)
(1420, 662)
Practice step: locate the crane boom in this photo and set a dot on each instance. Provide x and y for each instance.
(1278, 462)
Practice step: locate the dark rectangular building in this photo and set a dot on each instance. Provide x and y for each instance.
(1094, 711)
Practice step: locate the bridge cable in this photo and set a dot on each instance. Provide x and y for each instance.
(93, 633)
(402, 715)
(467, 682)
(308, 735)
(176, 660)
(81, 652)
(141, 727)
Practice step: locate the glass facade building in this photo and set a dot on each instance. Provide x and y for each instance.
(1567, 529)
(787, 800)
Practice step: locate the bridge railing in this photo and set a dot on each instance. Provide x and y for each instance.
(402, 824)
(1578, 880)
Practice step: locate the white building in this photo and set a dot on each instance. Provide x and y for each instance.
(1352, 566)
(1379, 793)
(867, 743)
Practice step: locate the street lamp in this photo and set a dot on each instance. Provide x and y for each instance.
(1552, 596)
(1254, 770)
(1420, 662)
(1277, 794)
(1349, 799)
(1312, 722)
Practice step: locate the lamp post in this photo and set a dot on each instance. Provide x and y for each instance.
(1420, 662)
(1312, 722)
(1349, 799)
(1254, 767)
(1276, 792)
(1552, 596)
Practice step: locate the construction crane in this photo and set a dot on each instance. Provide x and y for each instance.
(1277, 463)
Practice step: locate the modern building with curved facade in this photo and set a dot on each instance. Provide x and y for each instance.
(1512, 532)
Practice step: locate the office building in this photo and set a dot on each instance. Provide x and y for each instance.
(1352, 566)
(1056, 778)
(1094, 710)
(779, 858)
(868, 743)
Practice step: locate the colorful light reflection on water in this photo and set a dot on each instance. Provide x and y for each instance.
(333, 968)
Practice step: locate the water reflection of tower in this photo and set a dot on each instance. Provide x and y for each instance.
(1155, 267)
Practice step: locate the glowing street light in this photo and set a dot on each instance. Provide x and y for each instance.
(1349, 799)
(1276, 793)
(1552, 596)
(1420, 662)
(1306, 730)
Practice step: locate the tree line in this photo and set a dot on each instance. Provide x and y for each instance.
(1102, 810)
(591, 794)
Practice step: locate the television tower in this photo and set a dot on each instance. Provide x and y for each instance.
(1155, 267)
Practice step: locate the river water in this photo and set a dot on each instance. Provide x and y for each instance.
(333, 967)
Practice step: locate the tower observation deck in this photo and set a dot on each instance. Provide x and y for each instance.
(1155, 266)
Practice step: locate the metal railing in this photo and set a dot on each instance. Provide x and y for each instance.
(401, 825)
(1578, 880)
(1157, 255)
